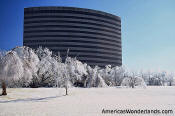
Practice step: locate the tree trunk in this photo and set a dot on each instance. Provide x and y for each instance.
(66, 90)
(132, 85)
(4, 88)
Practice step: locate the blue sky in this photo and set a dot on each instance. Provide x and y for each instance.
(148, 28)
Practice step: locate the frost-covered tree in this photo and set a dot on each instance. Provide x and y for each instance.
(11, 70)
(57, 69)
(133, 80)
(170, 79)
(162, 75)
(156, 79)
(66, 74)
(77, 71)
(47, 68)
(24, 67)
(117, 75)
(80, 73)
(2, 83)
(18, 66)
(94, 78)
(30, 61)
(2, 54)
(106, 74)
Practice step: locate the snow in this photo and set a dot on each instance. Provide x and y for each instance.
(84, 101)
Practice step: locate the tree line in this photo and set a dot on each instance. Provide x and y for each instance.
(25, 67)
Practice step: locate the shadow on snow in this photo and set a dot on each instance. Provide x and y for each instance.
(32, 99)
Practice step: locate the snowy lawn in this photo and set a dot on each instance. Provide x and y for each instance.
(85, 101)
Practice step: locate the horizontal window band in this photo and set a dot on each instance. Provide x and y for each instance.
(62, 41)
(71, 12)
(74, 31)
(102, 64)
(63, 32)
(76, 44)
(55, 51)
(68, 25)
(99, 61)
(43, 39)
(72, 46)
(68, 40)
(93, 56)
(68, 15)
(71, 39)
(86, 52)
(69, 20)
(96, 59)
(73, 36)
(60, 27)
(75, 48)
(75, 22)
(64, 20)
(102, 56)
(72, 17)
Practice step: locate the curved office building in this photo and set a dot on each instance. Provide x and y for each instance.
(92, 36)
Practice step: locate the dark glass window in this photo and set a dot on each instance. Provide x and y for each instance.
(69, 11)
(76, 22)
(72, 17)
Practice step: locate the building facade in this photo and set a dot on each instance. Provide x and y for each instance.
(93, 37)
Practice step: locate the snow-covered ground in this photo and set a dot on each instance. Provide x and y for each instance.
(85, 101)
